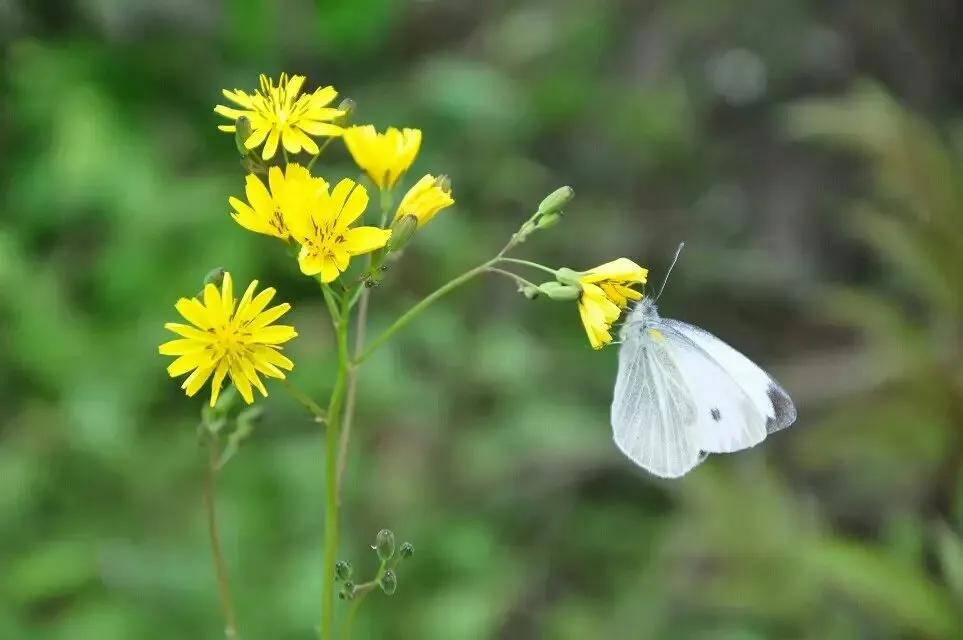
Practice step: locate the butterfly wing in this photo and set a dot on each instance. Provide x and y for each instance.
(653, 411)
(768, 398)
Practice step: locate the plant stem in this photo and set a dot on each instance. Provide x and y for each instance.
(520, 281)
(306, 401)
(426, 302)
(386, 200)
(352, 391)
(220, 569)
(423, 304)
(360, 591)
(332, 436)
(324, 145)
(528, 263)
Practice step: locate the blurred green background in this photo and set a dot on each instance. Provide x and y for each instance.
(808, 152)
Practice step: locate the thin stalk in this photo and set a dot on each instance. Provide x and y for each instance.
(352, 392)
(426, 302)
(360, 591)
(220, 568)
(520, 281)
(324, 145)
(423, 304)
(331, 510)
(305, 400)
(362, 297)
(529, 263)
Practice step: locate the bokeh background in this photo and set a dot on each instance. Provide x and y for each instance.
(808, 152)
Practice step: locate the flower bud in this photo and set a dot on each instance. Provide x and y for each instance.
(560, 292)
(530, 292)
(389, 582)
(342, 570)
(347, 106)
(548, 221)
(242, 131)
(401, 232)
(347, 592)
(214, 276)
(556, 200)
(567, 276)
(385, 544)
(407, 550)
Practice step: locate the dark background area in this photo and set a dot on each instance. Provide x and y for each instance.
(808, 152)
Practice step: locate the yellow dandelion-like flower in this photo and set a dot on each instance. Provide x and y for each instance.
(266, 206)
(427, 197)
(383, 156)
(281, 114)
(606, 291)
(227, 337)
(323, 228)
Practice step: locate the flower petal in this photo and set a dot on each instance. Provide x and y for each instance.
(365, 239)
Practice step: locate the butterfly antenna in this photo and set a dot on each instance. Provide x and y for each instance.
(674, 260)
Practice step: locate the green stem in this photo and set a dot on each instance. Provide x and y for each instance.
(528, 263)
(220, 567)
(360, 591)
(361, 295)
(332, 435)
(425, 302)
(324, 145)
(305, 400)
(520, 281)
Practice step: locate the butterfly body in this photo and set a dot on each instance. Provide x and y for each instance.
(681, 394)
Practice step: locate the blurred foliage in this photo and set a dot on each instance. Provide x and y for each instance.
(483, 430)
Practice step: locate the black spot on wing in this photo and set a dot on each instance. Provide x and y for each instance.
(785, 411)
(716, 414)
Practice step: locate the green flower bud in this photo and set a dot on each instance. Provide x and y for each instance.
(347, 592)
(567, 276)
(530, 292)
(560, 292)
(253, 164)
(389, 582)
(385, 544)
(214, 276)
(242, 131)
(407, 550)
(548, 220)
(556, 200)
(348, 106)
(342, 570)
(401, 231)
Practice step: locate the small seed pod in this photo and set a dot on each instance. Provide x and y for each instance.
(406, 550)
(389, 582)
(342, 570)
(347, 592)
(385, 544)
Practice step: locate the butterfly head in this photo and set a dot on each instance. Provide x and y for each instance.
(640, 316)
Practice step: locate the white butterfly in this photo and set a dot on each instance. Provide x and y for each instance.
(682, 393)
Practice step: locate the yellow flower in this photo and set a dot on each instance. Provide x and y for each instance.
(279, 114)
(384, 156)
(323, 228)
(267, 210)
(606, 291)
(224, 338)
(427, 197)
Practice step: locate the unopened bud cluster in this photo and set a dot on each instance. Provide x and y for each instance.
(549, 212)
(389, 555)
